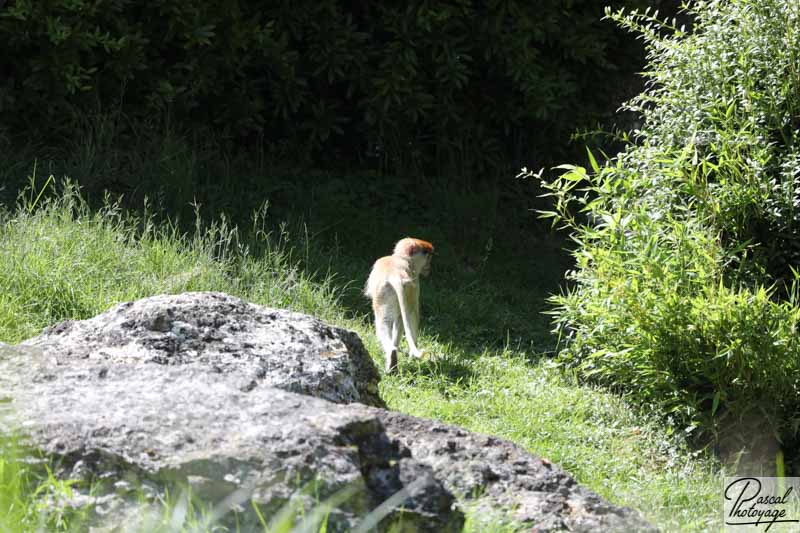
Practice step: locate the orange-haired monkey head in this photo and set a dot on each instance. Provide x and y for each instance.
(419, 253)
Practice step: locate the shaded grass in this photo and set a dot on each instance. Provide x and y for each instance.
(490, 373)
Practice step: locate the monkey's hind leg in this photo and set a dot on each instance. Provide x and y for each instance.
(384, 328)
(391, 358)
(391, 361)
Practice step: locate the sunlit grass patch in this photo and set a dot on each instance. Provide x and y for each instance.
(61, 260)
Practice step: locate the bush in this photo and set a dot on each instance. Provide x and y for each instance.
(456, 86)
(684, 294)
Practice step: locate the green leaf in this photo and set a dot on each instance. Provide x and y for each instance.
(592, 161)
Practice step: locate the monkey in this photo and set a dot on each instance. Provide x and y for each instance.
(393, 286)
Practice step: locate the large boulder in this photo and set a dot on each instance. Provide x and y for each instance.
(214, 332)
(247, 406)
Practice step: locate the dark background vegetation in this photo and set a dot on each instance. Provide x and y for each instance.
(254, 93)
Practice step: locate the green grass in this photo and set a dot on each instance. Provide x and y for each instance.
(25, 488)
(60, 259)
(482, 322)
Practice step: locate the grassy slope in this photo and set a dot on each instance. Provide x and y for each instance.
(483, 322)
(492, 370)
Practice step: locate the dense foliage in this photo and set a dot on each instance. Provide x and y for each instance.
(455, 86)
(685, 292)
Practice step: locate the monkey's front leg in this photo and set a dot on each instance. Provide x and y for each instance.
(412, 298)
(414, 321)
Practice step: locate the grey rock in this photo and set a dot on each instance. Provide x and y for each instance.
(147, 399)
(176, 428)
(208, 331)
(494, 474)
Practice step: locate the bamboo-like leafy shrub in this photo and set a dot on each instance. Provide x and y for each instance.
(684, 295)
